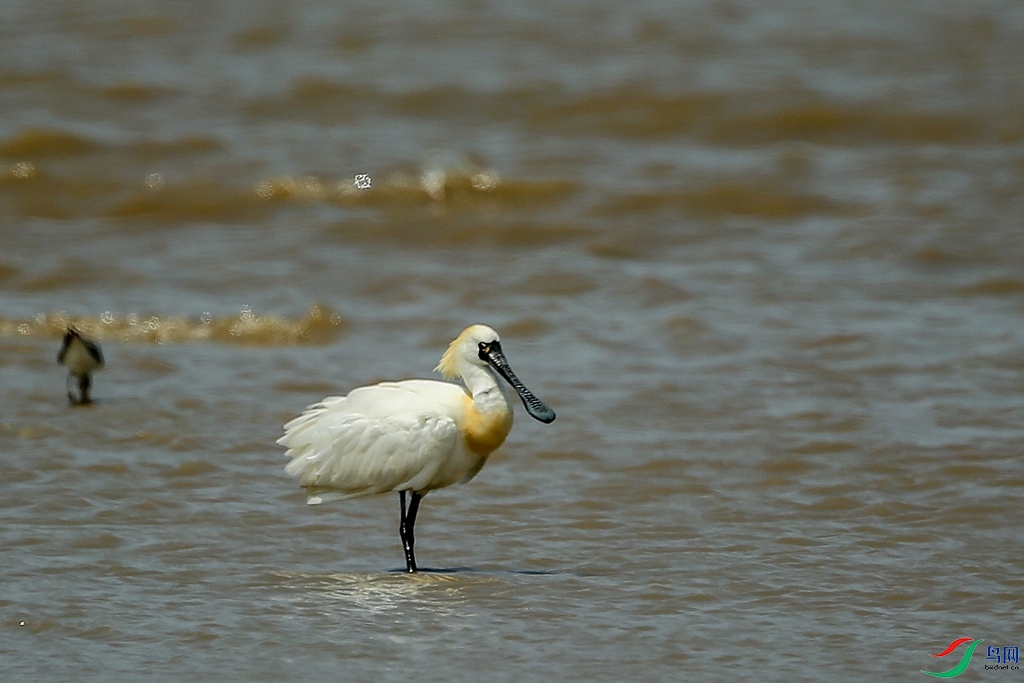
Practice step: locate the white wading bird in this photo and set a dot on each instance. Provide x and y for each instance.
(82, 357)
(412, 436)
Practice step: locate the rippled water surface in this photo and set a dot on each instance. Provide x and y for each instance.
(765, 260)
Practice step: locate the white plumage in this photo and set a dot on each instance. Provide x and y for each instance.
(377, 439)
(411, 436)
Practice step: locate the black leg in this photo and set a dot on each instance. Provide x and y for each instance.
(84, 384)
(405, 528)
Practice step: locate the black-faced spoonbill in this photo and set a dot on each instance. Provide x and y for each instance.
(412, 436)
(82, 357)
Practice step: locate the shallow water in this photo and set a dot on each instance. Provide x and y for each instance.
(765, 260)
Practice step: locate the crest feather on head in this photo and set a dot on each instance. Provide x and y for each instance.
(448, 367)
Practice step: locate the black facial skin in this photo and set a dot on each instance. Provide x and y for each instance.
(491, 354)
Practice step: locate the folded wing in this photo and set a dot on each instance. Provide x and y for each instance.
(387, 437)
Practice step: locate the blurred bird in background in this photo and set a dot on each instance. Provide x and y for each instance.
(82, 357)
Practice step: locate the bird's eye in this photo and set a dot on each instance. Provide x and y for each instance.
(484, 347)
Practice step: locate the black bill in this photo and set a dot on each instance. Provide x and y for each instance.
(534, 406)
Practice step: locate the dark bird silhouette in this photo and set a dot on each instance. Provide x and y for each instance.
(82, 357)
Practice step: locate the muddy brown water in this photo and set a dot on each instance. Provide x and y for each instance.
(765, 260)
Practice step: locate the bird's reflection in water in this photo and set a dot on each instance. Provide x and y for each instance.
(440, 593)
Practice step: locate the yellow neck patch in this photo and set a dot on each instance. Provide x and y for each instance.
(484, 432)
